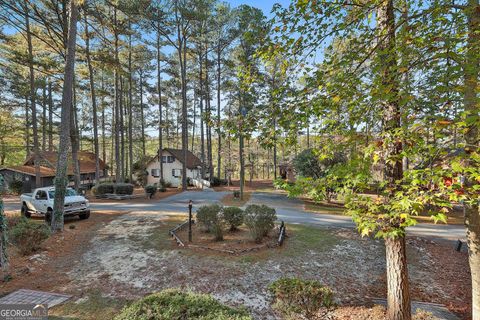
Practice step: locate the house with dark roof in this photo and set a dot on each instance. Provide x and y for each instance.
(48, 167)
(172, 160)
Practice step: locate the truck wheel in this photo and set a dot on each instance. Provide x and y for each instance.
(48, 216)
(84, 216)
(25, 212)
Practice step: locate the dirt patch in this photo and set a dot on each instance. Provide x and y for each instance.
(234, 242)
(45, 270)
(372, 313)
(231, 201)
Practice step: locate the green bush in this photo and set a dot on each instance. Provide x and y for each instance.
(211, 218)
(16, 186)
(215, 182)
(12, 221)
(165, 184)
(260, 219)
(162, 188)
(3, 186)
(110, 187)
(233, 216)
(151, 190)
(177, 305)
(217, 227)
(294, 296)
(28, 235)
(103, 188)
(123, 188)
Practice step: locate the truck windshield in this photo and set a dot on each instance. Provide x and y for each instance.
(69, 193)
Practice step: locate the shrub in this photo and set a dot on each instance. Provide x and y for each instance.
(217, 227)
(123, 188)
(16, 186)
(3, 187)
(12, 221)
(151, 190)
(165, 184)
(215, 182)
(233, 216)
(162, 188)
(111, 187)
(103, 188)
(305, 297)
(310, 163)
(211, 218)
(260, 219)
(236, 194)
(175, 304)
(27, 235)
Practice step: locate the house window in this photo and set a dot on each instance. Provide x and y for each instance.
(155, 173)
(176, 173)
(168, 159)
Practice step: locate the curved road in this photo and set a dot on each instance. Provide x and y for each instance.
(288, 210)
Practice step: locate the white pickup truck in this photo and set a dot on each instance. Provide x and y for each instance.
(41, 202)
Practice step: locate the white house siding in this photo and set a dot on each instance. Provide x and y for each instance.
(167, 171)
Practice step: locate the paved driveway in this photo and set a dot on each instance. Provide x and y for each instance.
(291, 210)
(288, 210)
(177, 203)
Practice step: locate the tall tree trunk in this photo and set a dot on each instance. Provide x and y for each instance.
(398, 295)
(130, 110)
(160, 111)
(117, 97)
(183, 56)
(472, 138)
(208, 110)
(194, 118)
(219, 144)
(74, 137)
(397, 279)
(50, 117)
(242, 162)
(64, 143)
(94, 101)
(4, 263)
(33, 106)
(142, 112)
(122, 131)
(275, 164)
(44, 117)
(27, 126)
(104, 143)
(202, 117)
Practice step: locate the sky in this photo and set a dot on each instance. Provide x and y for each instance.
(265, 5)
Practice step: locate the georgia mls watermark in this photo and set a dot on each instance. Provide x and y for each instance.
(24, 311)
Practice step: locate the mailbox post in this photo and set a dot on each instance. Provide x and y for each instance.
(190, 205)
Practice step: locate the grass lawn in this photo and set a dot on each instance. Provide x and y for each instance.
(229, 200)
(456, 217)
(324, 208)
(300, 240)
(93, 306)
